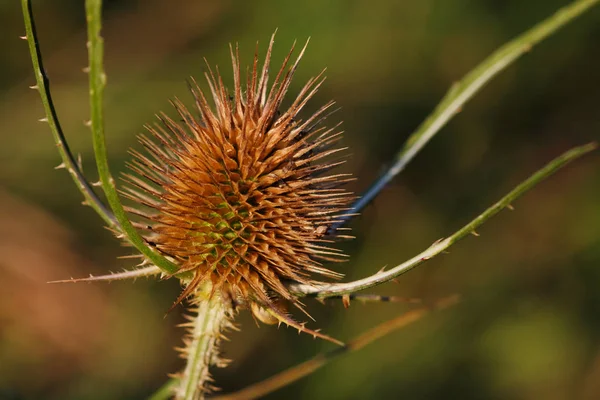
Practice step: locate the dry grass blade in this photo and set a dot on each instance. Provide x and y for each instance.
(306, 368)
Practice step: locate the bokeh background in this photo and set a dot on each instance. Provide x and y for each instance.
(529, 323)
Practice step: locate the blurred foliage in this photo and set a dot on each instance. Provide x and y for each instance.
(529, 324)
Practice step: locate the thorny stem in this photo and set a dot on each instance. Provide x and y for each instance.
(329, 290)
(464, 90)
(202, 346)
(306, 368)
(97, 83)
(43, 86)
(115, 276)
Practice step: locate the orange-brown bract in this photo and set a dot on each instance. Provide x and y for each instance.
(241, 196)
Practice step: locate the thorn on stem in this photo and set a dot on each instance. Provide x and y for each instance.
(43, 119)
(62, 165)
(474, 233)
(510, 207)
(87, 123)
(346, 300)
(24, 37)
(437, 242)
(34, 87)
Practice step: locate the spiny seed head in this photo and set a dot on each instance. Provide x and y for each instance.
(240, 195)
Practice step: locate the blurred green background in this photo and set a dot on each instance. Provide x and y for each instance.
(529, 323)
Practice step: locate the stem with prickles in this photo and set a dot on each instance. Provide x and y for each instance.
(97, 82)
(340, 289)
(201, 349)
(43, 86)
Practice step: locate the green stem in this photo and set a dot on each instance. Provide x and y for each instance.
(43, 86)
(97, 83)
(166, 391)
(477, 78)
(202, 350)
(464, 90)
(324, 291)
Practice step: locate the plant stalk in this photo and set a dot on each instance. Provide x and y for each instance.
(462, 91)
(97, 80)
(202, 345)
(339, 289)
(43, 86)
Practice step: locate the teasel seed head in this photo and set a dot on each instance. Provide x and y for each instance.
(242, 195)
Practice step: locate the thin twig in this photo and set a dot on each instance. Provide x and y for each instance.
(97, 83)
(306, 368)
(115, 276)
(462, 91)
(329, 290)
(43, 86)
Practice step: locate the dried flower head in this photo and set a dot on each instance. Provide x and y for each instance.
(241, 196)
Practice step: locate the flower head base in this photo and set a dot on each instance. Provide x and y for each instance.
(241, 196)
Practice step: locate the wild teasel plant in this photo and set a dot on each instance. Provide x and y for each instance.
(241, 206)
(242, 198)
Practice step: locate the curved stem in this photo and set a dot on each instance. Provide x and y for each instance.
(97, 83)
(464, 90)
(329, 290)
(43, 86)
